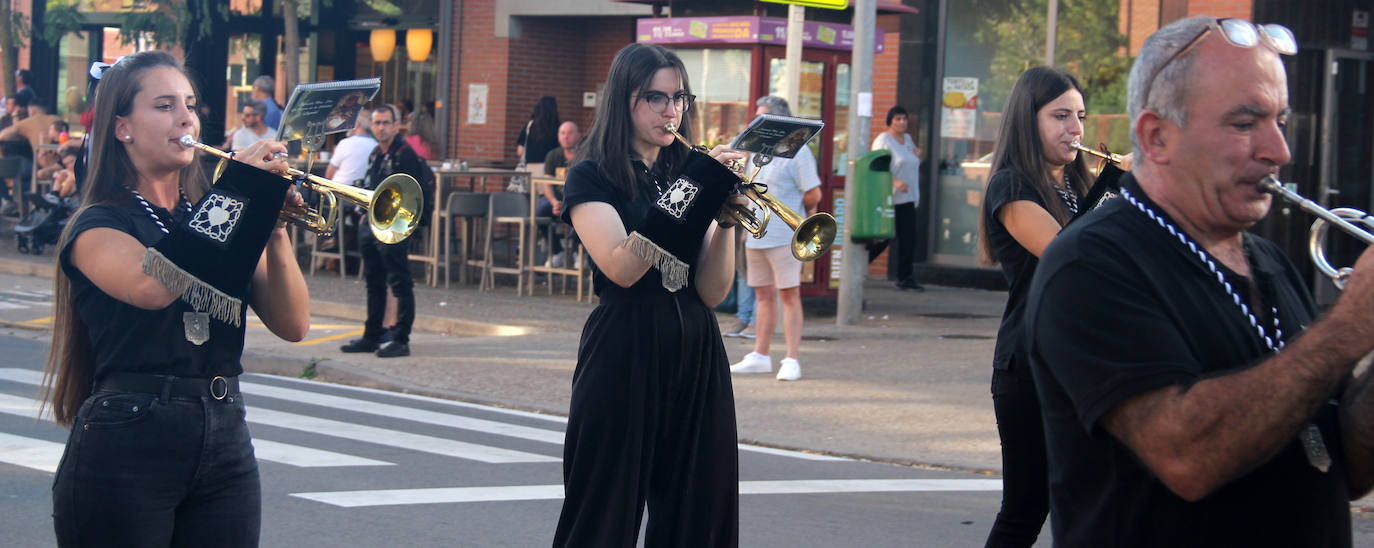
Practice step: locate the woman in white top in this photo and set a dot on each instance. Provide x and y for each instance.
(906, 195)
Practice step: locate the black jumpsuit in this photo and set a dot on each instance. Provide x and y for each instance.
(652, 417)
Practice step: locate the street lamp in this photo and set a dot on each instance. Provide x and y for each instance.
(383, 42)
(418, 42)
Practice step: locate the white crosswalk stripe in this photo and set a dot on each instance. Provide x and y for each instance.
(267, 398)
(41, 455)
(284, 453)
(391, 497)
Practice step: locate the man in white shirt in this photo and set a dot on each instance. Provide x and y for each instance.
(252, 129)
(774, 273)
(348, 165)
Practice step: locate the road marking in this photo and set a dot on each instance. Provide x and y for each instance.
(393, 438)
(305, 457)
(526, 414)
(284, 453)
(444, 495)
(346, 334)
(38, 321)
(401, 412)
(41, 455)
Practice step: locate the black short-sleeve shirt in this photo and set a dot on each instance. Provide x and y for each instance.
(586, 184)
(126, 338)
(1120, 307)
(1018, 265)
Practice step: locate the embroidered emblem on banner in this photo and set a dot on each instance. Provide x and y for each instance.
(218, 216)
(679, 197)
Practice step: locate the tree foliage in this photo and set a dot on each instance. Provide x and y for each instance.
(1087, 45)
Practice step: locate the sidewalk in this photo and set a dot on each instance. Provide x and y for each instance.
(908, 385)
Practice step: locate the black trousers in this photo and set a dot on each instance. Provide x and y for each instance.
(144, 471)
(651, 423)
(1025, 466)
(386, 265)
(904, 249)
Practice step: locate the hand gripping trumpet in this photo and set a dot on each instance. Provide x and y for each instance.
(393, 209)
(811, 236)
(1316, 242)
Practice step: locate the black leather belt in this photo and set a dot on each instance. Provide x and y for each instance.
(168, 386)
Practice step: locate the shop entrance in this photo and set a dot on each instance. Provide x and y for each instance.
(1347, 151)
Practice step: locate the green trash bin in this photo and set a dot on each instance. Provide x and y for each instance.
(871, 200)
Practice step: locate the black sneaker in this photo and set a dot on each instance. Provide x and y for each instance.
(393, 349)
(360, 345)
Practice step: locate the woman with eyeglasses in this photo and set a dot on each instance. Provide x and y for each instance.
(1038, 179)
(149, 322)
(652, 417)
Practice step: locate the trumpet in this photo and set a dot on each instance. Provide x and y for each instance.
(811, 236)
(393, 209)
(1115, 159)
(1316, 241)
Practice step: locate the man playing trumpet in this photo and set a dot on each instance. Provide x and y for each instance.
(1191, 395)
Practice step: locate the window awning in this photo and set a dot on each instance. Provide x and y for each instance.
(884, 6)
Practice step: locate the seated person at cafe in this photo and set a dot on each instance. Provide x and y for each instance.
(551, 203)
(24, 137)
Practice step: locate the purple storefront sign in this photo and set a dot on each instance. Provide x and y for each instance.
(745, 30)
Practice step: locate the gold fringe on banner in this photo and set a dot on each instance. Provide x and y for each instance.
(671, 269)
(201, 296)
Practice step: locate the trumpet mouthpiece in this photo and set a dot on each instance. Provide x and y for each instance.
(187, 141)
(1075, 144)
(671, 127)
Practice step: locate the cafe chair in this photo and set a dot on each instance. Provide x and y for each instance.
(461, 211)
(507, 208)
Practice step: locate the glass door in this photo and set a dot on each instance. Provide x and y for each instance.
(1347, 174)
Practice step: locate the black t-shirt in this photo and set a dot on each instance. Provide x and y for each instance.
(536, 149)
(126, 338)
(1120, 307)
(585, 184)
(1018, 265)
(552, 161)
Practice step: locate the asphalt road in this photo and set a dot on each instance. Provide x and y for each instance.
(413, 471)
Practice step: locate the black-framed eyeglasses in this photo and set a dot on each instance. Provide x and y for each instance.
(658, 101)
(1239, 33)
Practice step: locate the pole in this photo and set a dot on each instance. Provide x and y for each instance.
(796, 18)
(854, 259)
(1050, 31)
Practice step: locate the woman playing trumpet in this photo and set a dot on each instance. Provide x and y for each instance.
(1038, 184)
(652, 416)
(159, 453)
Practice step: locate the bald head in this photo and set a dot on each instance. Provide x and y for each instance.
(568, 135)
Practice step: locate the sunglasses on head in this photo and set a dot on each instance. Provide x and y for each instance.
(1239, 33)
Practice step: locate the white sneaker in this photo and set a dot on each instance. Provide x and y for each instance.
(753, 362)
(789, 369)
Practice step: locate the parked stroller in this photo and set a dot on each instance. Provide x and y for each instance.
(43, 224)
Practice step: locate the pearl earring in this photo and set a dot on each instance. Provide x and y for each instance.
(129, 138)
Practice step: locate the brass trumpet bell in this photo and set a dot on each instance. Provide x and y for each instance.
(393, 208)
(1343, 218)
(811, 236)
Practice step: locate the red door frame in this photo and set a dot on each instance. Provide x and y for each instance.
(820, 287)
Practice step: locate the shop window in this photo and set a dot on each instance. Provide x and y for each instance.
(720, 80)
(810, 97)
(989, 46)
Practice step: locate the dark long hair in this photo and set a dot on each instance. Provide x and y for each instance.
(1019, 147)
(68, 375)
(545, 121)
(609, 140)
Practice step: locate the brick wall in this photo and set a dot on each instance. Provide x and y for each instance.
(560, 57)
(1220, 8)
(884, 96)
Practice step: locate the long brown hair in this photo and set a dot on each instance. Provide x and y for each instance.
(609, 141)
(1020, 149)
(68, 375)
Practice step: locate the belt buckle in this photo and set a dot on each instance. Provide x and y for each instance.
(223, 391)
